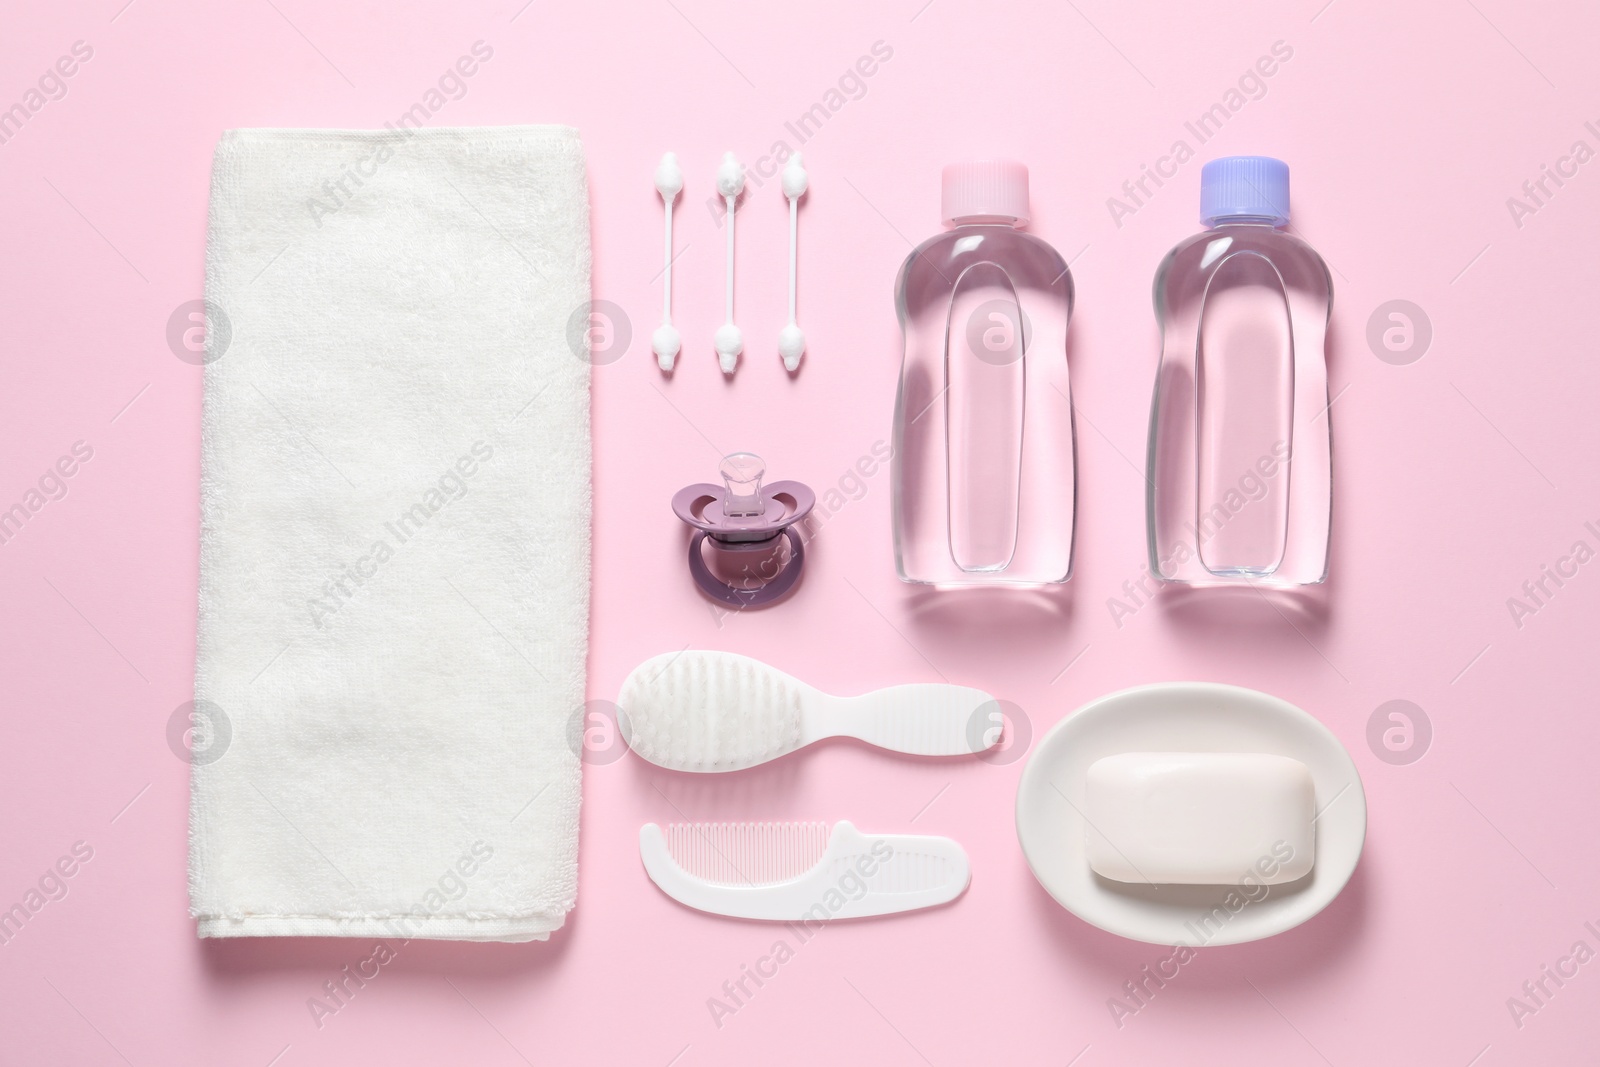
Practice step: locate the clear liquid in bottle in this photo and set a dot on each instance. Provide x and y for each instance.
(1240, 481)
(984, 469)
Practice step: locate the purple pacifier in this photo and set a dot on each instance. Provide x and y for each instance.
(742, 516)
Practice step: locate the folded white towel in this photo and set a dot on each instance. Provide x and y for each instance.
(394, 564)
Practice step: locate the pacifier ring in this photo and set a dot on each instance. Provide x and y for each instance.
(756, 596)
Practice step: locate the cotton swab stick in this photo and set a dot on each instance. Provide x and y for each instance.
(729, 341)
(666, 341)
(792, 340)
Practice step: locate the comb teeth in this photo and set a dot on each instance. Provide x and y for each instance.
(747, 853)
(909, 871)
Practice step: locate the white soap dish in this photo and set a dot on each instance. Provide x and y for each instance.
(1053, 802)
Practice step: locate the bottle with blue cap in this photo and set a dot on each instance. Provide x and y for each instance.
(1239, 483)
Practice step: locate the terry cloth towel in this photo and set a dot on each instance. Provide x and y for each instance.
(394, 556)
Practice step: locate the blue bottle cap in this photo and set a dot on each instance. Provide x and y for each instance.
(1236, 188)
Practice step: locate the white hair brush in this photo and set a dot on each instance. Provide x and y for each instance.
(716, 711)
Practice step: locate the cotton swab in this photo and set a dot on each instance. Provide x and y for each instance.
(665, 341)
(792, 340)
(729, 341)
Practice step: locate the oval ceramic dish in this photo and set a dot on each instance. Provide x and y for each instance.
(1186, 717)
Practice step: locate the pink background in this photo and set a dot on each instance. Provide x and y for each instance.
(1459, 475)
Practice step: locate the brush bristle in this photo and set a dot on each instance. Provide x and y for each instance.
(747, 853)
(711, 711)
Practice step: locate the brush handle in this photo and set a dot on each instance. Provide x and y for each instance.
(860, 875)
(922, 719)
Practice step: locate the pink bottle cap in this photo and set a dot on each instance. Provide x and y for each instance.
(987, 191)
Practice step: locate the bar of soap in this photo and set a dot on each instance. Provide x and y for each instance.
(1200, 818)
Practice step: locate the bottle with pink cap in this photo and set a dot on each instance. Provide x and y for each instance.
(984, 468)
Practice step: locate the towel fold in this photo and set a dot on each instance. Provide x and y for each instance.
(394, 559)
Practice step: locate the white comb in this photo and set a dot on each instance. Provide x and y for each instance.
(800, 871)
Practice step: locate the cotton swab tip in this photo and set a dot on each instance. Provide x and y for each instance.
(791, 346)
(666, 342)
(730, 176)
(729, 342)
(795, 180)
(669, 177)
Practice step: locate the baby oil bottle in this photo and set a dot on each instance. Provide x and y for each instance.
(1239, 479)
(984, 471)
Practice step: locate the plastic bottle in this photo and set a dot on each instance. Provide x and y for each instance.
(1240, 478)
(984, 470)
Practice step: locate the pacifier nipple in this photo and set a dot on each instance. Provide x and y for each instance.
(741, 475)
